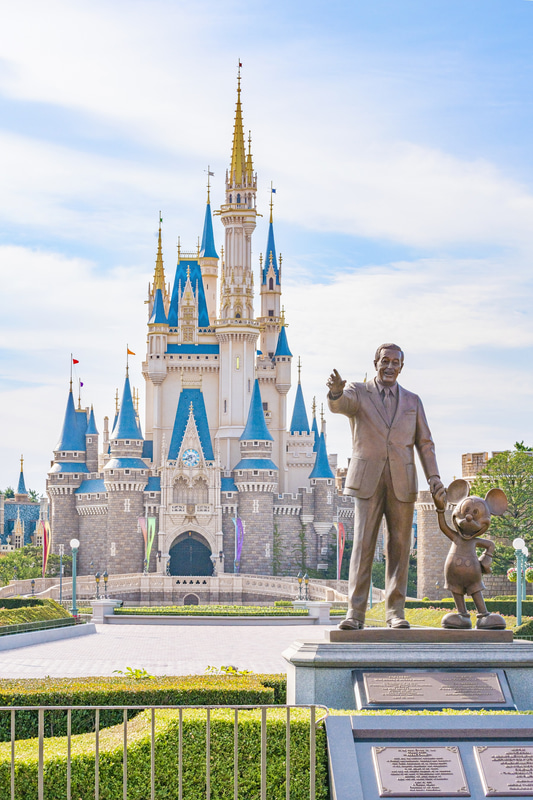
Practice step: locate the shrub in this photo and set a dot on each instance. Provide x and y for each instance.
(45, 610)
(283, 603)
(214, 611)
(504, 605)
(166, 749)
(127, 691)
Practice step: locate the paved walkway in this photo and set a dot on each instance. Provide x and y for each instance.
(161, 650)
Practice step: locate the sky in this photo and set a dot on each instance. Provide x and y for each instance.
(397, 134)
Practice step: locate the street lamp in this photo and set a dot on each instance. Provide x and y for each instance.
(106, 578)
(32, 587)
(97, 579)
(74, 545)
(519, 546)
(525, 553)
(306, 581)
(300, 581)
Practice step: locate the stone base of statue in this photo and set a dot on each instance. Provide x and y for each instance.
(415, 668)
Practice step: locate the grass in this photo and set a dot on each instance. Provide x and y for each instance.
(425, 617)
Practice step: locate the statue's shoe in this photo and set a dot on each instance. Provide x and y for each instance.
(490, 622)
(397, 622)
(350, 624)
(457, 621)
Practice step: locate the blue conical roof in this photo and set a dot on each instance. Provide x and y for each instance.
(207, 249)
(158, 312)
(322, 468)
(91, 426)
(180, 280)
(126, 426)
(191, 400)
(21, 488)
(314, 429)
(256, 427)
(270, 257)
(299, 421)
(282, 348)
(73, 433)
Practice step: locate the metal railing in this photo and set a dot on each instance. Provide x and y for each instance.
(17, 772)
(39, 625)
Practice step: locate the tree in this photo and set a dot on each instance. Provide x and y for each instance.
(34, 495)
(511, 471)
(27, 563)
(9, 492)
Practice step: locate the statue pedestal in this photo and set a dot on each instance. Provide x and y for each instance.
(320, 671)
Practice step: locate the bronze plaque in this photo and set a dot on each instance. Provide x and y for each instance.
(420, 772)
(441, 688)
(506, 771)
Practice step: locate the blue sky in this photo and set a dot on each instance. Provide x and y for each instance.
(397, 133)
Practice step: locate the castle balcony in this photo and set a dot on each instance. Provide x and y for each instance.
(190, 509)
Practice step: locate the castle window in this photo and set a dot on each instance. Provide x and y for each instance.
(126, 472)
(265, 406)
(271, 355)
(127, 441)
(237, 362)
(255, 507)
(111, 471)
(152, 494)
(271, 284)
(231, 198)
(270, 311)
(249, 385)
(237, 316)
(329, 498)
(113, 549)
(238, 198)
(127, 504)
(90, 440)
(256, 444)
(255, 472)
(270, 472)
(63, 455)
(225, 406)
(97, 496)
(60, 477)
(142, 472)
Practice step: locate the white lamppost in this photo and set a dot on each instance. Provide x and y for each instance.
(74, 544)
(519, 546)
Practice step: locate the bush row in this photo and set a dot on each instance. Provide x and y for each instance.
(504, 606)
(215, 611)
(125, 691)
(47, 610)
(21, 602)
(166, 751)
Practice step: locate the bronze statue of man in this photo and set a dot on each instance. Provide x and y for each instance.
(387, 423)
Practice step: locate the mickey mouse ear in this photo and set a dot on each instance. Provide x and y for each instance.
(457, 491)
(496, 501)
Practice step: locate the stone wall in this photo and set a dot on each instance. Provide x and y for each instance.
(433, 547)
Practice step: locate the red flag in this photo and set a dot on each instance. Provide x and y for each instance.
(342, 541)
(75, 361)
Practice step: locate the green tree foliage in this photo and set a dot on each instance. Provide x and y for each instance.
(27, 563)
(511, 471)
(34, 495)
(378, 575)
(9, 492)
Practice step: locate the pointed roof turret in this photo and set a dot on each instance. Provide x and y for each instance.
(191, 403)
(270, 257)
(91, 426)
(126, 426)
(238, 159)
(158, 312)
(314, 427)
(207, 248)
(282, 347)
(72, 436)
(256, 427)
(159, 274)
(21, 488)
(322, 468)
(299, 421)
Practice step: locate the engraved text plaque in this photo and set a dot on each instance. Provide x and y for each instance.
(506, 771)
(420, 772)
(441, 688)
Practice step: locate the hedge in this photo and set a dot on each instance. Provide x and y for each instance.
(123, 691)
(214, 611)
(46, 610)
(166, 767)
(21, 602)
(507, 606)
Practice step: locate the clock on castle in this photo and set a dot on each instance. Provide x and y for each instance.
(217, 463)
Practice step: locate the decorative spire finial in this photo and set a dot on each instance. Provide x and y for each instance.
(237, 154)
(299, 369)
(209, 176)
(22, 463)
(116, 401)
(322, 413)
(283, 324)
(314, 407)
(159, 274)
(272, 193)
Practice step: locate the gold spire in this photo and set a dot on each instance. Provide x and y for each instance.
(22, 463)
(283, 323)
(299, 369)
(314, 407)
(159, 274)
(209, 175)
(237, 153)
(249, 164)
(322, 413)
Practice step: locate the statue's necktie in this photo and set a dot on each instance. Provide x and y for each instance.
(387, 402)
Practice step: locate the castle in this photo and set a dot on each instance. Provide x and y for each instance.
(219, 477)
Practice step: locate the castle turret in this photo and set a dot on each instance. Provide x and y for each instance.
(155, 368)
(270, 294)
(323, 481)
(209, 260)
(256, 478)
(91, 443)
(236, 329)
(300, 454)
(21, 495)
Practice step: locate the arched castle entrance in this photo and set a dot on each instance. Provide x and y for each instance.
(190, 555)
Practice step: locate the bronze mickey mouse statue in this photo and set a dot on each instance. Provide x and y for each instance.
(463, 569)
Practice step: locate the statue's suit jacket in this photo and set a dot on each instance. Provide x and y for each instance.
(374, 440)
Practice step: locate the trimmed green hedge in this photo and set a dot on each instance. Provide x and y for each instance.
(166, 749)
(214, 611)
(21, 602)
(123, 691)
(46, 610)
(507, 606)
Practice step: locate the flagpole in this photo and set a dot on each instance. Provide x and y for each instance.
(71, 372)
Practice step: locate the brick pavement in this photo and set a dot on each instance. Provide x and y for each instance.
(162, 650)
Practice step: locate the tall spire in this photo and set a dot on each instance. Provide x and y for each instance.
(72, 436)
(270, 264)
(126, 426)
(249, 162)
(238, 160)
(322, 468)
(159, 274)
(207, 249)
(314, 427)
(256, 427)
(21, 488)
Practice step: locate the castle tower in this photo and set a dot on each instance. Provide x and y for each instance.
(300, 442)
(209, 259)
(125, 477)
(314, 427)
(323, 482)
(236, 329)
(21, 495)
(91, 443)
(270, 318)
(67, 472)
(256, 478)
